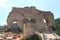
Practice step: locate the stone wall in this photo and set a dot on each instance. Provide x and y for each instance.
(29, 13)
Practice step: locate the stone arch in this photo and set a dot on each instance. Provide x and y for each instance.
(49, 19)
(14, 16)
(48, 16)
(15, 27)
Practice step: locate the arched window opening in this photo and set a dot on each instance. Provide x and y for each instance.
(15, 24)
(44, 20)
(33, 20)
(15, 28)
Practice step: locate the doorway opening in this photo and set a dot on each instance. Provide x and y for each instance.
(15, 27)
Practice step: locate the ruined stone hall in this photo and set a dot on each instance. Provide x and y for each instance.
(30, 19)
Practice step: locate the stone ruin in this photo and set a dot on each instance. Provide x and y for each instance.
(29, 20)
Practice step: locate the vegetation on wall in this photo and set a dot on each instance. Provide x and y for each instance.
(34, 37)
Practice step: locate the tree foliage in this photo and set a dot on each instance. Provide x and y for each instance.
(57, 23)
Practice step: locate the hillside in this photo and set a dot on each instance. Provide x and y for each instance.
(57, 22)
(1, 28)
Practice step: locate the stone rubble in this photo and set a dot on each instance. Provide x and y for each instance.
(10, 36)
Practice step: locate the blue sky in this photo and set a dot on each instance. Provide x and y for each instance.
(45, 5)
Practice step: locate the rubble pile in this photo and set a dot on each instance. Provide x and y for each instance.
(10, 36)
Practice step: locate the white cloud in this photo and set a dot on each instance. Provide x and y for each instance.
(4, 4)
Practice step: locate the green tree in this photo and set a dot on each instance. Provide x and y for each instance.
(1, 28)
(57, 23)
